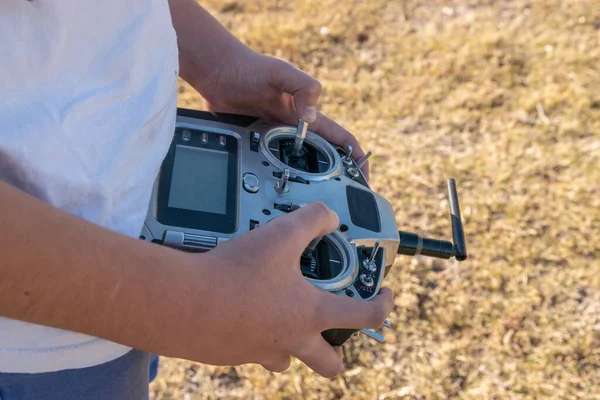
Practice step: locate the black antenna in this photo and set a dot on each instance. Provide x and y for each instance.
(458, 233)
(412, 244)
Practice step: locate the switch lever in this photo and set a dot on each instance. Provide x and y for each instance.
(354, 171)
(347, 159)
(370, 263)
(363, 160)
(374, 251)
(282, 185)
(373, 335)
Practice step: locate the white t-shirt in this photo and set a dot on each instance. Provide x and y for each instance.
(87, 112)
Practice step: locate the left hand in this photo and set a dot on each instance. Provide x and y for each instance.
(272, 89)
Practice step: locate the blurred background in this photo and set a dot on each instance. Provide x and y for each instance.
(504, 96)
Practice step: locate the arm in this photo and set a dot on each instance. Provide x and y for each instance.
(233, 78)
(61, 271)
(204, 44)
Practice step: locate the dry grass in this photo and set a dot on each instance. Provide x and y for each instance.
(505, 97)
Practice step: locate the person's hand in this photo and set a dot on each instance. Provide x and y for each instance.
(277, 312)
(255, 84)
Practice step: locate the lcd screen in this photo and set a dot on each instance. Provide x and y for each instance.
(199, 180)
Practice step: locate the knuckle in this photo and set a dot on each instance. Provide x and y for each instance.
(324, 213)
(316, 87)
(313, 89)
(321, 209)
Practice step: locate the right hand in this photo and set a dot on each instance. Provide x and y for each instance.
(264, 311)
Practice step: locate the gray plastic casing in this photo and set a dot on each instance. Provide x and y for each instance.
(329, 187)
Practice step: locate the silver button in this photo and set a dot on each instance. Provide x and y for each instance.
(186, 135)
(370, 266)
(204, 138)
(222, 141)
(250, 182)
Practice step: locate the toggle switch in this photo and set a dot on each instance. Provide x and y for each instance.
(255, 142)
(355, 171)
(282, 185)
(347, 159)
(370, 264)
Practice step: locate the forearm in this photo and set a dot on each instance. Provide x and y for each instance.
(204, 44)
(61, 271)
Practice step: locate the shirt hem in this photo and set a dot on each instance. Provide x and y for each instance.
(83, 355)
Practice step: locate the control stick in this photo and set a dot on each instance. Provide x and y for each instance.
(311, 247)
(300, 136)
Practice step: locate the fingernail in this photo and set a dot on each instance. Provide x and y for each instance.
(310, 114)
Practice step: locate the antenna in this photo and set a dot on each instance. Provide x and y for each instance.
(412, 244)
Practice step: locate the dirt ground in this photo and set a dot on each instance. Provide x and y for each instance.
(504, 96)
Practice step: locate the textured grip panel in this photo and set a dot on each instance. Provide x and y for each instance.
(363, 209)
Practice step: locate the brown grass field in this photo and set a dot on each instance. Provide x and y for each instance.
(502, 95)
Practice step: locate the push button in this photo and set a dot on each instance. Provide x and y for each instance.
(250, 182)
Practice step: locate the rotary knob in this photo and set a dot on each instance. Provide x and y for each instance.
(367, 280)
(250, 182)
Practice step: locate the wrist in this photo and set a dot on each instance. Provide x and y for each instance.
(204, 44)
(194, 310)
(206, 75)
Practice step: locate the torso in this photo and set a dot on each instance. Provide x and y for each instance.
(87, 111)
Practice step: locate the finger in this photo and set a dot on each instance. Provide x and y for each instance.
(348, 313)
(303, 225)
(304, 89)
(319, 356)
(336, 134)
(279, 364)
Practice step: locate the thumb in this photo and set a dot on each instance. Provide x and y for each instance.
(295, 230)
(304, 89)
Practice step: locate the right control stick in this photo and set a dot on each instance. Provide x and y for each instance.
(412, 244)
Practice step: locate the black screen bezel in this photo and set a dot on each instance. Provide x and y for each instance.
(199, 220)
